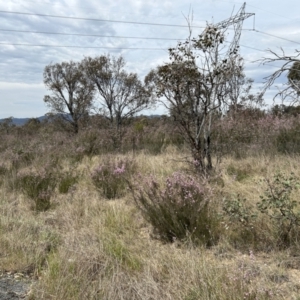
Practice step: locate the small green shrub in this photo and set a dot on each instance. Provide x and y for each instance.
(277, 204)
(241, 224)
(3, 172)
(238, 211)
(177, 210)
(38, 185)
(110, 178)
(67, 180)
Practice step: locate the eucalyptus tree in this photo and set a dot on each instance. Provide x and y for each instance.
(120, 94)
(194, 86)
(71, 92)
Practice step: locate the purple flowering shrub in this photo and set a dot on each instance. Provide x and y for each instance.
(38, 185)
(178, 209)
(110, 178)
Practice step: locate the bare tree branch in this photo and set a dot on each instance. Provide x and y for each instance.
(290, 90)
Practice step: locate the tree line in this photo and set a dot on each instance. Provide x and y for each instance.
(94, 85)
(201, 81)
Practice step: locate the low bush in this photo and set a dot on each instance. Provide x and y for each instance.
(38, 185)
(177, 210)
(110, 178)
(275, 218)
(67, 181)
(243, 228)
(288, 140)
(279, 206)
(238, 211)
(3, 171)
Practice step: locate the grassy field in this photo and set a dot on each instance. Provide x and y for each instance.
(85, 246)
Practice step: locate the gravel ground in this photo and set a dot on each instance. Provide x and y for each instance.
(14, 287)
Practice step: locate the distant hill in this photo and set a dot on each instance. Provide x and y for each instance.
(22, 121)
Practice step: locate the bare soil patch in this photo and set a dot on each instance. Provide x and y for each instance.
(14, 286)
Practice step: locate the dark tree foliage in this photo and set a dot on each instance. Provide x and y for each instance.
(280, 110)
(6, 125)
(294, 77)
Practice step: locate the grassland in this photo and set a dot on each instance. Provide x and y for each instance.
(85, 246)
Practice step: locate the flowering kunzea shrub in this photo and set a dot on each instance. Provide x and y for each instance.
(110, 178)
(178, 209)
(38, 185)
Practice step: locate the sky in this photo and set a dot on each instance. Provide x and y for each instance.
(115, 27)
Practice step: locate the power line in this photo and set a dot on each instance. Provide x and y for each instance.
(94, 35)
(233, 2)
(119, 21)
(100, 47)
(83, 47)
(270, 65)
(134, 37)
(75, 34)
(86, 8)
(88, 35)
(276, 36)
(104, 47)
(270, 12)
(96, 20)
(103, 20)
(249, 47)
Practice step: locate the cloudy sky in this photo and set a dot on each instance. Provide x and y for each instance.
(140, 30)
